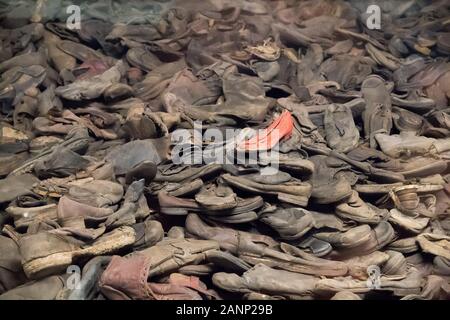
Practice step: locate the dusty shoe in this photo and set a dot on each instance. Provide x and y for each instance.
(125, 276)
(412, 283)
(254, 249)
(408, 144)
(201, 91)
(226, 237)
(383, 58)
(45, 289)
(358, 210)
(405, 120)
(266, 70)
(11, 273)
(246, 210)
(328, 185)
(176, 189)
(127, 156)
(143, 59)
(266, 280)
(412, 224)
(421, 166)
(15, 186)
(376, 188)
(177, 206)
(285, 187)
(148, 233)
(61, 163)
(220, 197)
(347, 70)
(130, 207)
(145, 170)
(93, 87)
(24, 60)
(317, 247)
(290, 223)
(401, 286)
(436, 288)
(46, 253)
(140, 126)
(184, 173)
(291, 162)
(415, 199)
(58, 58)
(250, 106)
(329, 287)
(227, 261)
(396, 264)
(438, 245)
(267, 51)
(349, 239)
(76, 140)
(18, 80)
(357, 266)
(341, 132)
(441, 266)
(99, 193)
(406, 245)
(24, 216)
(182, 287)
(362, 241)
(377, 116)
(73, 214)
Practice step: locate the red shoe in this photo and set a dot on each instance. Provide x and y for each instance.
(280, 128)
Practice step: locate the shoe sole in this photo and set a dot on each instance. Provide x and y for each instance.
(361, 219)
(177, 211)
(427, 170)
(376, 188)
(298, 200)
(59, 261)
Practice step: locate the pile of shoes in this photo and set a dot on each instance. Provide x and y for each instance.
(110, 190)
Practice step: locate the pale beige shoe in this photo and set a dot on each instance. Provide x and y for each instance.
(358, 210)
(412, 224)
(436, 244)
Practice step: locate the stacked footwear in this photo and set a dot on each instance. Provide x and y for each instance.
(331, 179)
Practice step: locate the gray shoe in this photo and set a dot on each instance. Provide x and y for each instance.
(341, 132)
(377, 115)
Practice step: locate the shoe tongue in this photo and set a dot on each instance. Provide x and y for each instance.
(279, 177)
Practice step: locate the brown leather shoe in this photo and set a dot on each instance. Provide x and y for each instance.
(47, 253)
(127, 277)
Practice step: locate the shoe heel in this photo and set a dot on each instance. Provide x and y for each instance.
(52, 264)
(174, 211)
(297, 200)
